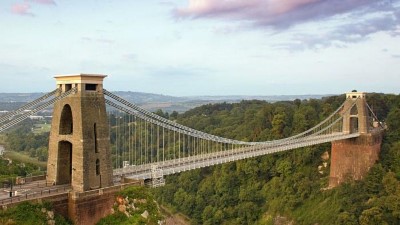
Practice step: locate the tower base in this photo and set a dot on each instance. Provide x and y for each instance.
(88, 210)
(352, 158)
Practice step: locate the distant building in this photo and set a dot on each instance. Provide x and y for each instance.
(36, 117)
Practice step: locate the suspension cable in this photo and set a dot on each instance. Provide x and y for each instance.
(153, 118)
(25, 115)
(28, 105)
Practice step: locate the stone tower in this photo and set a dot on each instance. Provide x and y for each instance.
(79, 144)
(356, 119)
(352, 158)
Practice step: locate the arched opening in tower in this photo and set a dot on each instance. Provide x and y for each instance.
(64, 164)
(354, 119)
(66, 123)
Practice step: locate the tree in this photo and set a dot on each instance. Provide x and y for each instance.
(173, 115)
(346, 218)
(278, 125)
(373, 180)
(372, 216)
(393, 124)
(161, 113)
(284, 167)
(391, 199)
(42, 154)
(285, 183)
(208, 215)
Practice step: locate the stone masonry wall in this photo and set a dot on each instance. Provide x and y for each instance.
(89, 210)
(352, 158)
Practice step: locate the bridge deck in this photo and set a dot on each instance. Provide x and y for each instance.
(199, 161)
(30, 191)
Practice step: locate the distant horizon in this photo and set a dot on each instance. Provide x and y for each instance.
(227, 95)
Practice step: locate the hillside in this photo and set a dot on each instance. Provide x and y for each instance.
(153, 102)
(279, 188)
(28, 213)
(286, 186)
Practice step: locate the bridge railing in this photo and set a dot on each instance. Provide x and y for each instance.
(131, 108)
(105, 190)
(35, 195)
(199, 161)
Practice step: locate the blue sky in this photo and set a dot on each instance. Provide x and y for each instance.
(204, 47)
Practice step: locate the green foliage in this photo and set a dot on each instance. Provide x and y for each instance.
(145, 203)
(27, 213)
(393, 123)
(117, 218)
(253, 191)
(9, 171)
(33, 144)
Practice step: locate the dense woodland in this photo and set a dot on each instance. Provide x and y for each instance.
(286, 186)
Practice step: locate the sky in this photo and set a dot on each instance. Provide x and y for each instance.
(203, 47)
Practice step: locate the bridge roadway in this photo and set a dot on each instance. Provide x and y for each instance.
(41, 189)
(143, 172)
(31, 190)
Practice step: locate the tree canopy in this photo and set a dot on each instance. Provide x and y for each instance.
(255, 191)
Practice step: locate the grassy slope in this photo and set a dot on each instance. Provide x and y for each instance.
(41, 128)
(20, 157)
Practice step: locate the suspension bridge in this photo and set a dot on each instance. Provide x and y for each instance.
(148, 146)
(99, 139)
